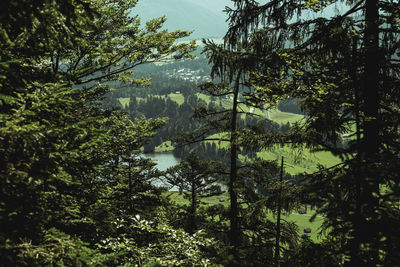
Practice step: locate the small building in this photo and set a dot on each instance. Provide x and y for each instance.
(302, 211)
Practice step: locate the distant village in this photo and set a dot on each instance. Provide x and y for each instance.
(188, 75)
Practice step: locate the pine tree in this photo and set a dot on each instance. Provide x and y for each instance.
(344, 67)
(58, 59)
(250, 231)
(196, 179)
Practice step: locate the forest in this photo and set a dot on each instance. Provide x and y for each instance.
(287, 131)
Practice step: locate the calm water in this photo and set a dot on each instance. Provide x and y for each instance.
(163, 160)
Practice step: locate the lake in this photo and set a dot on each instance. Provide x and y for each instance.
(163, 160)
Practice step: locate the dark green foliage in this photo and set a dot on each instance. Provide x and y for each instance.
(196, 179)
(250, 233)
(310, 254)
(344, 67)
(74, 190)
(69, 169)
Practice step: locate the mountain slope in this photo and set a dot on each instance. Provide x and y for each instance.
(205, 17)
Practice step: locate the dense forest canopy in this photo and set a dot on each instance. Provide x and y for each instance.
(87, 87)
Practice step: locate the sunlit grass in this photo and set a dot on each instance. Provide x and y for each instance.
(297, 160)
(164, 147)
(178, 98)
(300, 160)
(208, 201)
(204, 97)
(124, 101)
(284, 117)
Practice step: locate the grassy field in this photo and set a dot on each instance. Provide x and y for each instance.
(300, 160)
(164, 147)
(124, 101)
(284, 117)
(297, 160)
(302, 220)
(214, 200)
(204, 97)
(178, 98)
(275, 115)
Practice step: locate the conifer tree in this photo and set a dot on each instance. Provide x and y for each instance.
(57, 60)
(250, 232)
(343, 64)
(196, 179)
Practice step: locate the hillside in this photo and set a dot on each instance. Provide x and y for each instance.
(206, 18)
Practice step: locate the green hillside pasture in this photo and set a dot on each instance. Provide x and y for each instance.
(274, 114)
(178, 98)
(207, 201)
(284, 117)
(251, 110)
(206, 98)
(303, 221)
(220, 144)
(300, 160)
(297, 160)
(124, 101)
(164, 147)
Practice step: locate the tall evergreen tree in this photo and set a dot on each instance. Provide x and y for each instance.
(196, 179)
(343, 64)
(250, 232)
(57, 60)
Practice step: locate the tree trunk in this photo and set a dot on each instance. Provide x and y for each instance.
(365, 233)
(371, 88)
(278, 218)
(193, 209)
(130, 204)
(234, 234)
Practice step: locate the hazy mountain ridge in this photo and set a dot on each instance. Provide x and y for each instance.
(206, 18)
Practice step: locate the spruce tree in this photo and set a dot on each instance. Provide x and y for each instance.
(196, 179)
(343, 64)
(58, 59)
(250, 231)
